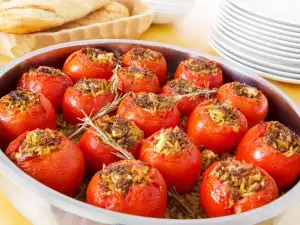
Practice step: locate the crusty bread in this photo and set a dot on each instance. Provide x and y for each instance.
(109, 12)
(26, 16)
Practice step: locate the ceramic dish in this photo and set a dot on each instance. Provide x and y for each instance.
(46, 206)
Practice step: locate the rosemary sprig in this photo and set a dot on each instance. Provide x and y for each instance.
(106, 109)
(114, 80)
(185, 209)
(122, 153)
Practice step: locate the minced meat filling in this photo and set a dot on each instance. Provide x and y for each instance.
(100, 56)
(201, 66)
(47, 70)
(137, 72)
(245, 90)
(20, 100)
(182, 87)
(145, 54)
(123, 132)
(39, 142)
(170, 141)
(121, 176)
(241, 179)
(223, 114)
(92, 86)
(282, 139)
(152, 102)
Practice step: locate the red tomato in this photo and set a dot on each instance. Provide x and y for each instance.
(136, 189)
(23, 110)
(250, 101)
(149, 59)
(122, 131)
(89, 95)
(89, 63)
(179, 164)
(135, 79)
(274, 148)
(182, 87)
(49, 157)
(149, 112)
(216, 126)
(201, 71)
(231, 187)
(52, 83)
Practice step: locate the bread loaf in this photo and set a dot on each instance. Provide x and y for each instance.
(26, 16)
(109, 12)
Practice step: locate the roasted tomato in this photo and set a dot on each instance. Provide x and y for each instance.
(150, 112)
(89, 95)
(275, 148)
(52, 83)
(183, 87)
(129, 186)
(216, 126)
(89, 63)
(24, 110)
(136, 79)
(123, 132)
(49, 157)
(201, 71)
(175, 156)
(149, 59)
(250, 101)
(231, 187)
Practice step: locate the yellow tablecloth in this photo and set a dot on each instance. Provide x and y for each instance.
(192, 33)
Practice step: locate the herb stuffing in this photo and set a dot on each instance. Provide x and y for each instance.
(99, 56)
(137, 72)
(282, 139)
(20, 100)
(47, 70)
(245, 90)
(39, 142)
(183, 87)
(241, 179)
(201, 66)
(92, 86)
(121, 176)
(145, 54)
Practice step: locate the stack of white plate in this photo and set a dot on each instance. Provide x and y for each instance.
(263, 35)
(170, 11)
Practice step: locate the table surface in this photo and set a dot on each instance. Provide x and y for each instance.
(193, 33)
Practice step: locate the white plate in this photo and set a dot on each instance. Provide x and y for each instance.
(262, 26)
(253, 45)
(260, 54)
(245, 34)
(280, 11)
(250, 66)
(258, 30)
(256, 36)
(259, 19)
(288, 71)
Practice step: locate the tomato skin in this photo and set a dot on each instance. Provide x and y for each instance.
(284, 170)
(74, 101)
(211, 80)
(158, 67)
(149, 200)
(78, 65)
(214, 196)
(180, 170)
(51, 86)
(255, 110)
(203, 131)
(62, 170)
(185, 105)
(131, 84)
(97, 153)
(14, 123)
(147, 121)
